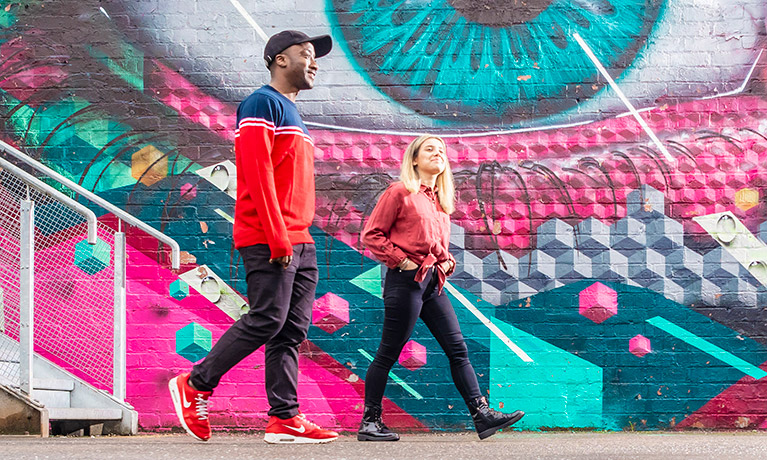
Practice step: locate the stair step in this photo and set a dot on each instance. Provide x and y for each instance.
(77, 413)
(53, 384)
(52, 398)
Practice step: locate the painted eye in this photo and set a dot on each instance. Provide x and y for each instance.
(491, 60)
(447, 65)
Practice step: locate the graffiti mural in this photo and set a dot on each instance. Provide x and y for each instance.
(629, 275)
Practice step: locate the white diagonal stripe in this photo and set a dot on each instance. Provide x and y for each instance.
(250, 20)
(493, 328)
(623, 97)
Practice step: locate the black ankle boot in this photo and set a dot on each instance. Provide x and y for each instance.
(372, 427)
(487, 421)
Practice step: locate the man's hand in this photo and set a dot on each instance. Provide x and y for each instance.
(284, 261)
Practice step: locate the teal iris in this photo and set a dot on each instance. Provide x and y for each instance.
(428, 56)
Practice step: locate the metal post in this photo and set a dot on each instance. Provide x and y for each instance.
(27, 310)
(120, 345)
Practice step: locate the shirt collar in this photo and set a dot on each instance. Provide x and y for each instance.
(424, 188)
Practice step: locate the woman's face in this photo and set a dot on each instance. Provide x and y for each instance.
(431, 157)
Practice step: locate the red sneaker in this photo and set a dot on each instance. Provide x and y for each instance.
(191, 407)
(296, 430)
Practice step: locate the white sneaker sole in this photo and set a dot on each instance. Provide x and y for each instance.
(176, 398)
(279, 438)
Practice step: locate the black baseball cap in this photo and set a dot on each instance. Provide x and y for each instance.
(281, 41)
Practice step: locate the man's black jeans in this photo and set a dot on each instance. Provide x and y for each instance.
(279, 317)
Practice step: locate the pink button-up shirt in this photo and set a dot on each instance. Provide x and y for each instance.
(409, 225)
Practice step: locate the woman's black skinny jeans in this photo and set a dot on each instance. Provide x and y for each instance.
(405, 300)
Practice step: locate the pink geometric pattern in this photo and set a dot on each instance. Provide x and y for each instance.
(413, 355)
(733, 408)
(566, 173)
(639, 345)
(330, 313)
(189, 101)
(27, 74)
(576, 173)
(188, 191)
(598, 302)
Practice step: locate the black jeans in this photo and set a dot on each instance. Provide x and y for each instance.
(279, 317)
(405, 300)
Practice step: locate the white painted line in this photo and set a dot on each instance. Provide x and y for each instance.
(250, 20)
(493, 328)
(447, 136)
(742, 87)
(622, 97)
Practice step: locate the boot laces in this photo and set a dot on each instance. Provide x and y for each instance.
(202, 407)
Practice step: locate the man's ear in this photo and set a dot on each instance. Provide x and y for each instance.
(281, 60)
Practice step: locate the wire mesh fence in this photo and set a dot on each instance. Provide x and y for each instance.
(73, 287)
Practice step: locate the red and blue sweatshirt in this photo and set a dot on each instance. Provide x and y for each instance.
(275, 174)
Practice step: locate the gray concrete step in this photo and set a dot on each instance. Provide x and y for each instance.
(82, 414)
(53, 384)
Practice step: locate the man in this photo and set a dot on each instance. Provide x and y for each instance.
(273, 212)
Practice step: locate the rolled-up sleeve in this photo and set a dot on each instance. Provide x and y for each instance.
(375, 235)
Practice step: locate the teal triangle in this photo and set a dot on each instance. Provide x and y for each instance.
(370, 282)
(557, 389)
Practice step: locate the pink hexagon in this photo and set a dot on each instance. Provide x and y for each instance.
(330, 313)
(640, 345)
(598, 302)
(413, 355)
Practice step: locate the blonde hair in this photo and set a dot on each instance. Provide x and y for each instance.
(409, 175)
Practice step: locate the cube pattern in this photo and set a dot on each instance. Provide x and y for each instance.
(646, 248)
(92, 258)
(330, 313)
(598, 302)
(746, 198)
(191, 102)
(639, 345)
(149, 165)
(178, 289)
(193, 342)
(413, 355)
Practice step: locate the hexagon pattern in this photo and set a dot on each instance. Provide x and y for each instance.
(639, 345)
(92, 258)
(330, 313)
(193, 342)
(413, 355)
(598, 302)
(178, 289)
(746, 198)
(149, 165)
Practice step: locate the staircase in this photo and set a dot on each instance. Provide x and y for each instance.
(62, 306)
(73, 405)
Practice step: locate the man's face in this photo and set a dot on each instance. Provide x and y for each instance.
(300, 65)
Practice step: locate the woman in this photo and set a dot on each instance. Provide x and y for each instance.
(409, 231)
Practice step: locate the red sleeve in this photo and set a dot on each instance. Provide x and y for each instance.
(375, 235)
(255, 143)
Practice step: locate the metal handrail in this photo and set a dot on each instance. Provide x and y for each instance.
(120, 213)
(46, 189)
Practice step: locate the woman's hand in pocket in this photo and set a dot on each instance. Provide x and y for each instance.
(407, 264)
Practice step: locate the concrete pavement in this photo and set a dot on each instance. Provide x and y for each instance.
(516, 445)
